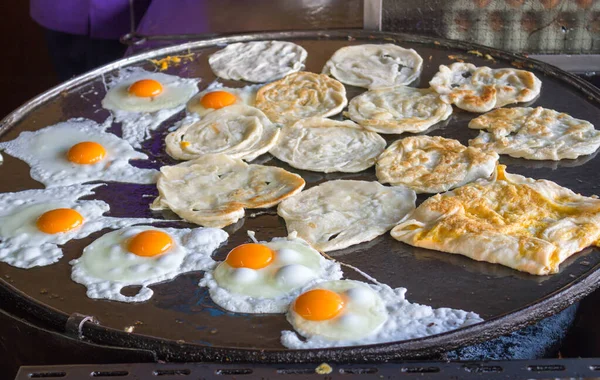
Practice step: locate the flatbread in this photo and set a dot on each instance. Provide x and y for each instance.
(238, 131)
(535, 134)
(300, 96)
(526, 224)
(325, 145)
(258, 61)
(374, 66)
(398, 109)
(433, 164)
(214, 189)
(481, 89)
(338, 214)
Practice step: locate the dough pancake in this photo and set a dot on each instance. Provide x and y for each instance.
(398, 109)
(338, 214)
(481, 89)
(374, 66)
(213, 190)
(257, 61)
(433, 164)
(300, 96)
(535, 133)
(526, 224)
(238, 131)
(325, 145)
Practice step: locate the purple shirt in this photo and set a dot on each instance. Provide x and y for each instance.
(95, 18)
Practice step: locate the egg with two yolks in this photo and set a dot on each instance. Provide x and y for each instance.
(265, 277)
(216, 97)
(33, 223)
(143, 255)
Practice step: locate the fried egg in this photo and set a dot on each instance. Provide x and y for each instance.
(143, 255)
(78, 151)
(238, 131)
(216, 96)
(265, 277)
(257, 61)
(141, 100)
(351, 313)
(33, 223)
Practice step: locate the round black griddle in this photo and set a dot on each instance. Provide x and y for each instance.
(181, 322)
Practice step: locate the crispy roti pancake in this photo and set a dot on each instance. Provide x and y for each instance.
(398, 109)
(257, 61)
(214, 189)
(374, 66)
(338, 214)
(433, 164)
(481, 89)
(300, 96)
(325, 145)
(238, 131)
(535, 134)
(526, 224)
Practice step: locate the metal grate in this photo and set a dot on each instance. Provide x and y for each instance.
(516, 369)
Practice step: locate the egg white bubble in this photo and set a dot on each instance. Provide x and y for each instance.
(272, 288)
(105, 273)
(138, 116)
(389, 318)
(244, 95)
(23, 245)
(45, 151)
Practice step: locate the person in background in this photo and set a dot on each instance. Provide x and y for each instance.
(84, 34)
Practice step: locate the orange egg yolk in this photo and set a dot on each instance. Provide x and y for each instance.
(318, 305)
(146, 88)
(253, 256)
(59, 220)
(86, 153)
(217, 99)
(150, 243)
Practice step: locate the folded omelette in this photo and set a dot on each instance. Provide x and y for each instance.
(526, 224)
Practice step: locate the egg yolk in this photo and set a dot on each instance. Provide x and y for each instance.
(146, 88)
(150, 243)
(59, 220)
(318, 305)
(253, 256)
(86, 153)
(217, 99)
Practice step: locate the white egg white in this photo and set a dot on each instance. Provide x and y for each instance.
(244, 95)
(270, 289)
(45, 151)
(23, 245)
(106, 266)
(372, 314)
(138, 116)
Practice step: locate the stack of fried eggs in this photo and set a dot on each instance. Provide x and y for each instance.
(225, 138)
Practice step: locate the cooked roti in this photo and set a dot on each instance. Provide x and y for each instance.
(535, 134)
(300, 96)
(338, 214)
(433, 164)
(258, 61)
(214, 189)
(325, 145)
(526, 224)
(238, 131)
(481, 89)
(398, 109)
(374, 66)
